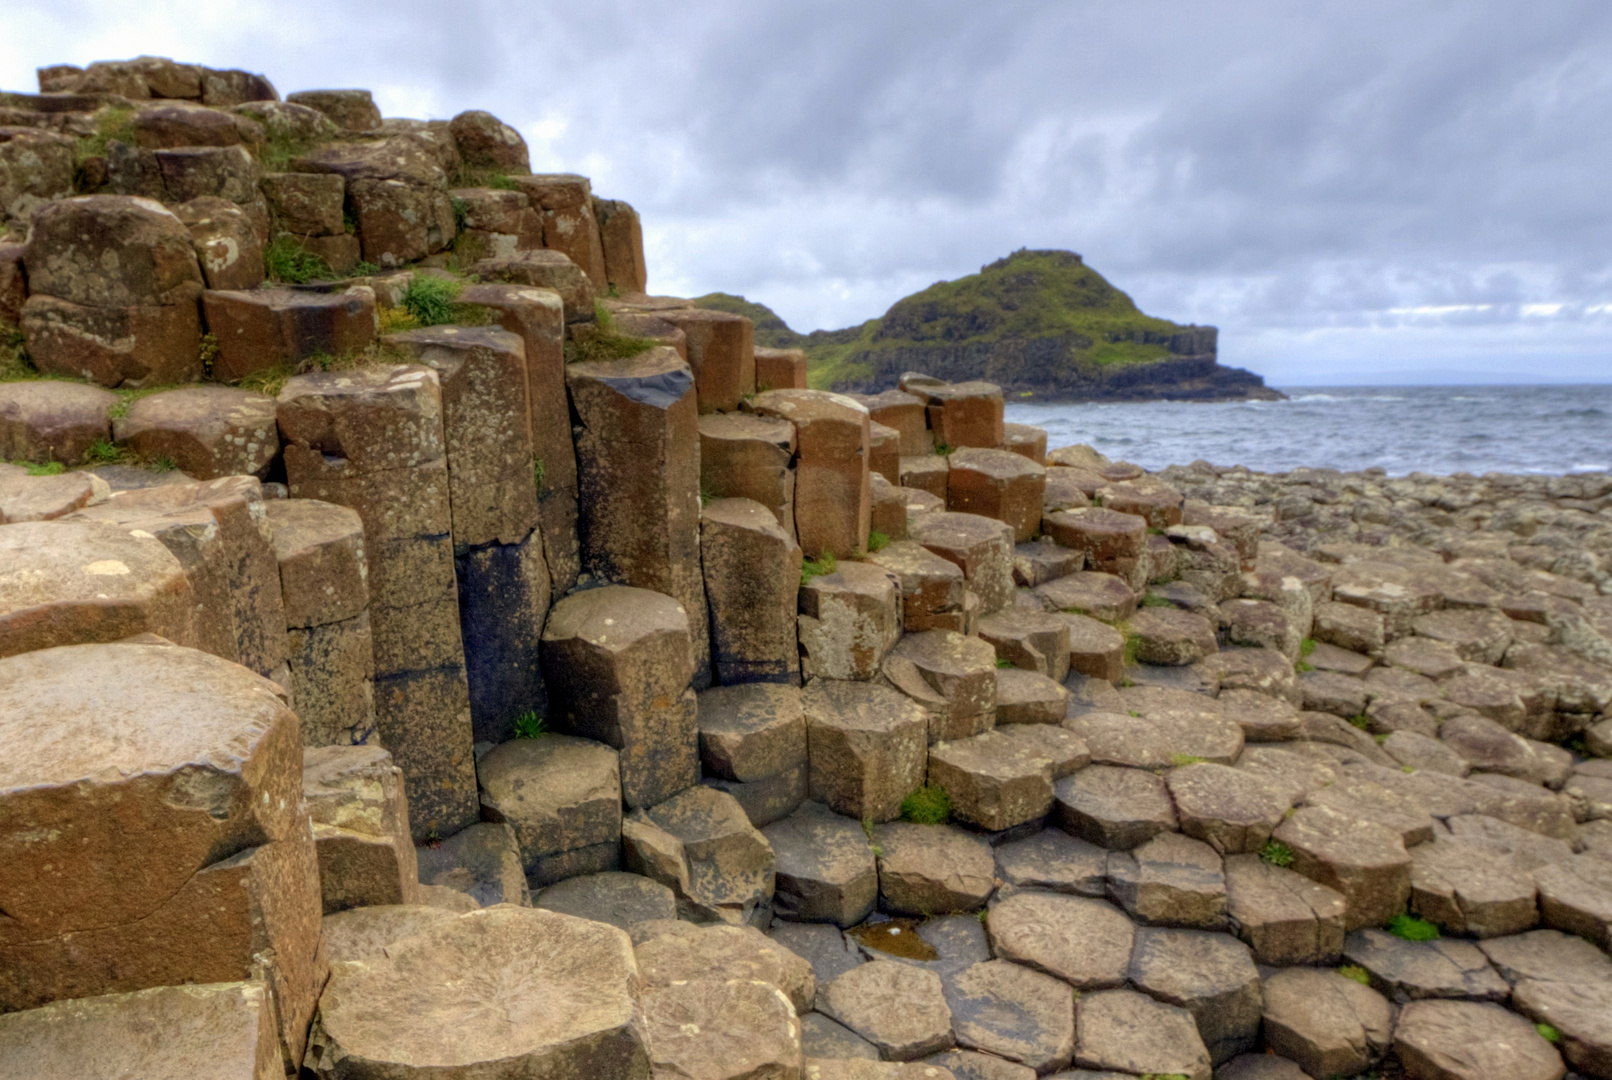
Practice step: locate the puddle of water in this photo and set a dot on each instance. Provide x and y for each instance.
(898, 937)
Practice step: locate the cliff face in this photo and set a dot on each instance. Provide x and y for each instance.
(1042, 324)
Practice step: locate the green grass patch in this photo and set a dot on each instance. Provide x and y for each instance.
(1357, 973)
(1132, 645)
(268, 381)
(877, 541)
(812, 568)
(605, 342)
(945, 449)
(287, 261)
(539, 474)
(1307, 646)
(1301, 667)
(1155, 600)
(107, 452)
(529, 725)
(1004, 663)
(431, 300)
(1412, 928)
(1185, 759)
(48, 468)
(1548, 1033)
(113, 123)
(1361, 721)
(461, 212)
(14, 363)
(1276, 853)
(929, 805)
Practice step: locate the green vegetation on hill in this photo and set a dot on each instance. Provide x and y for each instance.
(1036, 319)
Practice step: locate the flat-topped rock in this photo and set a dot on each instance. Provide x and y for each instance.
(932, 869)
(1364, 861)
(1212, 976)
(360, 827)
(898, 1008)
(979, 546)
(1096, 651)
(726, 1029)
(483, 861)
(1549, 955)
(1231, 810)
(994, 780)
(701, 845)
(671, 952)
(849, 620)
(1171, 880)
(612, 897)
(825, 869)
(997, 484)
(1100, 595)
(1033, 640)
(953, 676)
(932, 590)
(1014, 1013)
(867, 747)
(1411, 970)
(752, 731)
(565, 999)
(48, 420)
(25, 497)
(1262, 717)
(1171, 637)
(1284, 917)
(1329, 1025)
(323, 568)
(1027, 697)
(833, 490)
(1466, 1040)
(1053, 861)
(1085, 942)
(1122, 1030)
(1576, 896)
(1113, 807)
(559, 793)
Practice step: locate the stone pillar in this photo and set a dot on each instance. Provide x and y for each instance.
(360, 827)
(638, 468)
(752, 578)
(721, 351)
(498, 561)
(833, 492)
(565, 202)
(324, 584)
(538, 317)
(372, 439)
(166, 842)
(749, 457)
(622, 236)
(617, 663)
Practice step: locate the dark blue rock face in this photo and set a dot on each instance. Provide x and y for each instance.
(503, 600)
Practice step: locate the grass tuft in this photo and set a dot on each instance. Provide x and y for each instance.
(1361, 721)
(929, 805)
(287, 261)
(944, 449)
(1155, 600)
(1357, 973)
(529, 725)
(1307, 646)
(605, 342)
(114, 123)
(1004, 663)
(1412, 928)
(877, 541)
(49, 468)
(539, 473)
(431, 300)
(107, 452)
(817, 568)
(1548, 1033)
(1276, 853)
(268, 381)
(1185, 759)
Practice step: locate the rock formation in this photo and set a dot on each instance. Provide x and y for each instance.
(365, 716)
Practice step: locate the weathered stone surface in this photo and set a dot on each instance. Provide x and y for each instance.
(1364, 861)
(751, 732)
(671, 952)
(1418, 751)
(932, 869)
(1411, 970)
(25, 498)
(997, 484)
(360, 827)
(617, 664)
(770, 799)
(866, 745)
(1171, 637)
(1095, 650)
(546, 269)
(1042, 560)
(833, 490)
(1171, 880)
(970, 413)
(46, 420)
(207, 431)
(700, 845)
(994, 780)
(1327, 1024)
(638, 462)
(825, 869)
(1260, 1067)
(283, 327)
(35, 168)
(130, 867)
(743, 456)
(1113, 807)
(621, 236)
(1576, 896)
(226, 240)
(849, 619)
(320, 549)
(225, 1030)
(821, 1037)
(1230, 810)
(980, 547)
(1114, 542)
(1347, 626)
(1053, 861)
(305, 204)
(721, 352)
(925, 472)
(1463, 1040)
(1264, 671)
(1580, 1011)
(1212, 976)
(130, 347)
(953, 676)
(1013, 1012)
(973, 1065)
(933, 595)
(72, 241)
(1033, 640)
(1367, 801)
(1102, 596)
(332, 680)
(619, 899)
(1084, 942)
(1024, 697)
(565, 202)
(1263, 718)
(1124, 1030)
(80, 582)
(752, 581)
(558, 995)
(897, 1007)
(349, 110)
(1475, 635)
(722, 1028)
(1549, 955)
(1284, 917)
(482, 861)
(559, 793)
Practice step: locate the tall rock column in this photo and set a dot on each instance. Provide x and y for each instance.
(372, 439)
(833, 487)
(638, 466)
(498, 552)
(538, 317)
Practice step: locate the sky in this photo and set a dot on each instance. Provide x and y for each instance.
(1373, 192)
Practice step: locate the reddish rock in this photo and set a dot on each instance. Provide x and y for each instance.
(970, 413)
(207, 431)
(281, 327)
(997, 484)
(780, 369)
(721, 352)
(565, 201)
(544, 270)
(833, 492)
(981, 547)
(349, 110)
(485, 142)
(52, 421)
(305, 204)
(622, 238)
(750, 457)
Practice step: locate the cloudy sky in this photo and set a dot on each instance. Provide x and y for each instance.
(1404, 191)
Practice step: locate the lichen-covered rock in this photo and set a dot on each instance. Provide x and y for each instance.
(932, 869)
(701, 845)
(898, 1008)
(752, 582)
(825, 869)
(360, 827)
(206, 431)
(1087, 943)
(46, 420)
(867, 747)
(849, 620)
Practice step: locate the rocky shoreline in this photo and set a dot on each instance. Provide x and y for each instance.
(525, 676)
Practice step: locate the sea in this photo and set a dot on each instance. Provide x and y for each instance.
(1441, 430)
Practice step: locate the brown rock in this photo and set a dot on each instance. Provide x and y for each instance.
(867, 747)
(1364, 861)
(305, 204)
(1230, 810)
(1113, 807)
(925, 472)
(1329, 1025)
(52, 421)
(207, 431)
(732, 1028)
(671, 952)
(360, 827)
(780, 369)
(1576, 896)
(1170, 636)
(825, 868)
(622, 238)
(1025, 440)
(349, 110)
(970, 413)
(1579, 1010)
(1121, 1029)
(1212, 976)
(749, 457)
(1044, 561)
(114, 346)
(1099, 595)
(933, 596)
(1025, 697)
(1468, 1040)
(848, 621)
(1113, 542)
(1284, 917)
(833, 492)
(951, 675)
(1012, 1011)
(898, 1008)
(565, 201)
(1158, 505)
(994, 780)
(545, 269)
(889, 512)
(752, 578)
(227, 243)
(73, 240)
(280, 327)
(560, 794)
(906, 414)
(721, 352)
(981, 547)
(1084, 942)
(701, 845)
(1095, 651)
(997, 484)
(1171, 880)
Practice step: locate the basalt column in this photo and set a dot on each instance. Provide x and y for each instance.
(372, 439)
(638, 462)
(498, 551)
